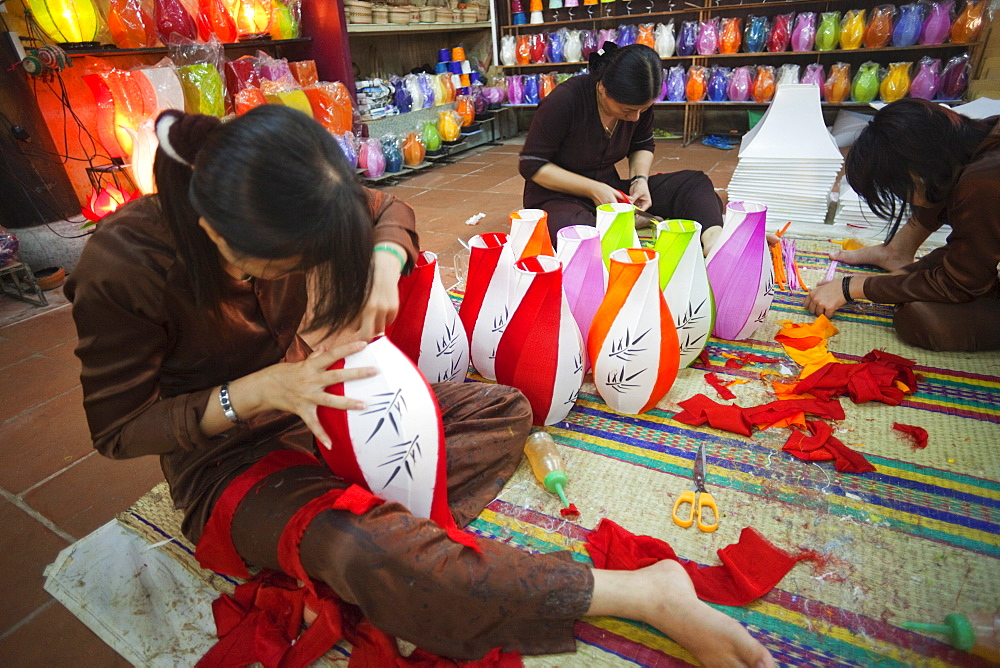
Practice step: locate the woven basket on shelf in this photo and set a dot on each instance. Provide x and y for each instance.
(484, 12)
(470, 14)
(414, 13)
(399, 15)
(358, 11)
(380, 14)
(428, 14)
(444, 15)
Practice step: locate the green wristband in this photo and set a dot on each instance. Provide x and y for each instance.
(390, 249)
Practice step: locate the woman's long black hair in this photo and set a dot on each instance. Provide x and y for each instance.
(275, 185)
(631, 75)
(907, 139)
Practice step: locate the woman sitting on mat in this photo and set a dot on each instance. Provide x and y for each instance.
(588, 124)
(946, 167)
(188, 305)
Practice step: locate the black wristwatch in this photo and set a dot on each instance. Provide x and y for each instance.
(636, 178)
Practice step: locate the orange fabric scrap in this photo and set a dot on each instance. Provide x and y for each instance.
(806, 343)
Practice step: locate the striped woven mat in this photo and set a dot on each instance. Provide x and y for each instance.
(913, 541)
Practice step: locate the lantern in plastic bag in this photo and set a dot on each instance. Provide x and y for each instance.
(937, 25)
(121, 103)
(130, 25)
(969, 23)
(427, 328)
(395, 447)
(214, 19)
(684, 282)
(896, 83)
(740, 272)
(254, 17)
(541, 351)
(331, 105)
(852, 29)
(633, 343)
(203, 89)
(173, 17)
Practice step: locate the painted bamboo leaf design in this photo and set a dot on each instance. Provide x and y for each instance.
(693, 315)
(626, 348)
(405, 456)
(500, 322)
(391, 406)
(689, 344)
(454, 370)
(619, 382)
(446, 346)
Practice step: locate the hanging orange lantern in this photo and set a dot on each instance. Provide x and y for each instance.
(106, 200)
(67, 21)
(214, 19)
(131, 25)
(121, 103)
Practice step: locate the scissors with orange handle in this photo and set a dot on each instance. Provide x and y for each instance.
(697, 500)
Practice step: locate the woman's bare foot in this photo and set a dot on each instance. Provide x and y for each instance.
(709, 236)
(882, 255)
(662, 595)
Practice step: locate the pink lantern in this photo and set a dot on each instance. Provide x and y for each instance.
(484, 311)
(633, 344)
(740, 272)
(427, 328)
(583, 273)
(541, 351)
(173, 17)
(394, 448)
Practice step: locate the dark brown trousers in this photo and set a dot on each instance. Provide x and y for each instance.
(687, 194)
(409, 579)
(964, 327)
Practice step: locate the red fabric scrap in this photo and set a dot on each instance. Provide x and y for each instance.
(917, 434)
(703, 357)
(750, 567)
(699, 409)
(215, 549)
(875, 378)
(570, 512)
(734, 363)
(822, 445)
(765, 415)
(719, 385)
(262, 621)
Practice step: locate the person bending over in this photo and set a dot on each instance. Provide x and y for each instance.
(946, 168)
(588, 124)
(189, 303)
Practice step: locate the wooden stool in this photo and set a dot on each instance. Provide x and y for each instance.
(18, 281)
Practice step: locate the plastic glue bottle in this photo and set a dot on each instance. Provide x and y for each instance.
(976, 632)
(548, 467)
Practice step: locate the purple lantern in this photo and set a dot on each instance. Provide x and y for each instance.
(927, 82)
(937, 25)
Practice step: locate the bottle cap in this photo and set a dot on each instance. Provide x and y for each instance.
(554, 482)
(956, 626)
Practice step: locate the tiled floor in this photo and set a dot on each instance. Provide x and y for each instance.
(55, 489)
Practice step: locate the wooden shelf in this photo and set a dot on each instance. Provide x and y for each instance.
(748, 103)
(111, 50)
(392, 28)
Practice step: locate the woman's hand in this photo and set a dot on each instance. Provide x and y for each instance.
(383, 300)
(825, 299)
(299, 387)
(602, 193)
(639, 194)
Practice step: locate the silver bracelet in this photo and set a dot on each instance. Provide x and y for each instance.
(227, 407)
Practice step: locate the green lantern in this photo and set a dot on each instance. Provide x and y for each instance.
(66, 21)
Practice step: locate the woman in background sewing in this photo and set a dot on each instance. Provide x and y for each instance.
(188, 306)
(946, 168)
(586, 126)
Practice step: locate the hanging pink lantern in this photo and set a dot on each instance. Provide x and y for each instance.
(427, 328)
(740, 272)
(633, 343)
(541, 351)
(395, 447)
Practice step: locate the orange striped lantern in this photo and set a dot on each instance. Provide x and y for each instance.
(529, 234)
(633, 345)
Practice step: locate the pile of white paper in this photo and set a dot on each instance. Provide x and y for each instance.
(789, 161)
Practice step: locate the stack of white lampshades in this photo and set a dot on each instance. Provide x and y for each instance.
(789, 161)
(854, 211)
